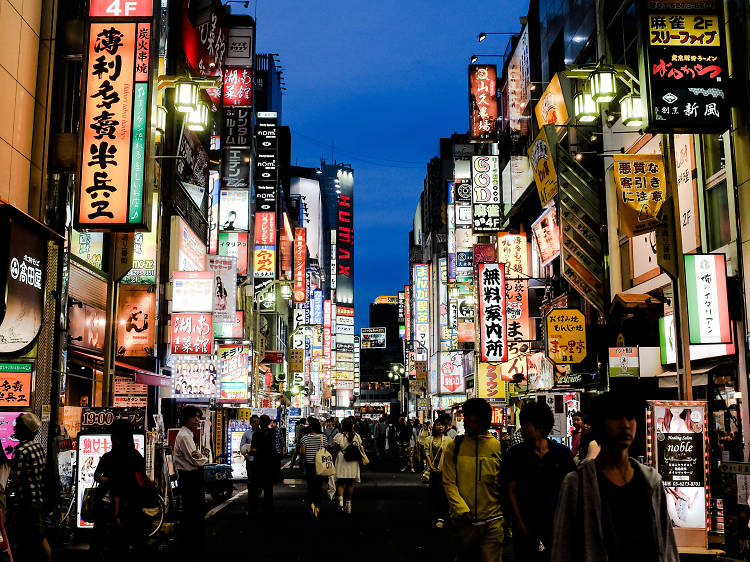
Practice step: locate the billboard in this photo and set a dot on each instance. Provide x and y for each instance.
(708, 308)
(111, 191)
(519, 86)
(312, 219)
(192, 334)
(187, 251)
(264, 261)
(224, 271)
(345, 241)
(451, 372)
(485, 182)
(483, 102)
(266, 162)
(489, 383)
(192, 291)
(237, 86)
(300, 262)
(136, 321)
(547, 235)
(491, 318)
(234, 244)
(373, 338)
(144, 252)
(234, 209)
(234, 369)
(422, 311)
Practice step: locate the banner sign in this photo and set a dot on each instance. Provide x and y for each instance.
(266, 164)
(192, 291)
(234, 369)
(678, 433)
(485, 181)
(543, 165)
(491, 320)
(551, 108)
(113, 172)
(373, 338)
(623, 362)
(641, 191)
(565, 331)
(488, 382)
(685, 74)
(136, 321)
(483, 102)
(708, 309)
(300, 260)
(192, 334)
(422, 311)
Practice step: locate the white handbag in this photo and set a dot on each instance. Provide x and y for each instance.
(324, 462)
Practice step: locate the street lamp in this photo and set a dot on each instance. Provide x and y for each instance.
(585, 110)
(603, 84)
(161, 119)
(197, 120)
(185, 95)
(631, 110)
(482, 36)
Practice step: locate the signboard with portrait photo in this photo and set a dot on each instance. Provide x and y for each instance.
(224, 271)
(193, 378)
(234, 214)
(677, 430)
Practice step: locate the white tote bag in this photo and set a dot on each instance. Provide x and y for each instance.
(324, 461)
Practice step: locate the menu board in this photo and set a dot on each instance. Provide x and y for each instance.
(679, 456)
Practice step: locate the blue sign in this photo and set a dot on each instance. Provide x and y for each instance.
(317, 306)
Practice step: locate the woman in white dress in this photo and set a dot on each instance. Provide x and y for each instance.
(347, 471)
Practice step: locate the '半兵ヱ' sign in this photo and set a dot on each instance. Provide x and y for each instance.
(685, 71)
(112, 189)
(565, 335)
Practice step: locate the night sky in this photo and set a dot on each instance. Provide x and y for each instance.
(383, 80)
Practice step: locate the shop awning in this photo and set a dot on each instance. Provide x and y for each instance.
(145, 377)
(632, 301)
(668, 379)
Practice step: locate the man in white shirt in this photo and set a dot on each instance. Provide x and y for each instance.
(189, 461)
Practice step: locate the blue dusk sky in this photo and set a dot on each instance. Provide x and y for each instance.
(384, 80)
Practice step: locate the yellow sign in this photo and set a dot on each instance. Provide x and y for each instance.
(684, 30)
(543, 166)
(489, 383)
(565, 330)
(386, 299)
(551, 109)
(641, 190)
(421, 368)
(296, 359)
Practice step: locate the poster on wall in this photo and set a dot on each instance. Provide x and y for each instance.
(136, 317)
(678, 431)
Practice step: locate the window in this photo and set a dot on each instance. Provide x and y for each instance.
(622, 33)
(718, 220)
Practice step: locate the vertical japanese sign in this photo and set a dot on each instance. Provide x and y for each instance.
(565, 330)
(512, 251)
(266, 164)
(345, 244)
(238, 86)
(116, 108)
(708, 309)
(519, 85)
(641, 189)
(422, 311)
(483, 102)
(264, 262)
(687, 192)
(192, 334)
(485, 180)
(327, 338)
(234, 368)
(234, 244)
(686, 71)
(547, 235)
(543, 165)
(489, 384)
(491, 320)
(300, 258)
(407, 312)
(518, 326)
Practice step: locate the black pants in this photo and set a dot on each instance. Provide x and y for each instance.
(436, 494)
(193, 510)
(261, 483)
(314, 485)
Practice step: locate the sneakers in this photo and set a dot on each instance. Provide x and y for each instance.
(314, 511)
(341, 503)
(403, 469)
(349, 507)
(411, 469)
(439, 524)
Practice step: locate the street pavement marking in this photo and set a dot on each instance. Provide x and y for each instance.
(221, 506)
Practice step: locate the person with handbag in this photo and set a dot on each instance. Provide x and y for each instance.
(310, 444)
(118, 521)
(434, 450)
(350, 455)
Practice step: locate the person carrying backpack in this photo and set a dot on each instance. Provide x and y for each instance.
(349, 447)
(471, 479)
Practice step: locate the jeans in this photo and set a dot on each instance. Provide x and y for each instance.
(193, 509)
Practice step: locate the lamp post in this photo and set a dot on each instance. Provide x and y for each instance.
(474, 58)
(483, 35)
(397, 372)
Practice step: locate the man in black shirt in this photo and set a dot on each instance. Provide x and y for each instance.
(535, 471)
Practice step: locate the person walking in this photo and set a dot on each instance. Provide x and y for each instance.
(245, 451)
(120, 528)
(265, 464)
(381, 433)
(311, 443)
(434, 452)
(189, 462)
(576, 433)
(27, 474)
(535, 471)
(299, 432)
(347, 471)
(471, 480)
(331, 431)
(613, 508)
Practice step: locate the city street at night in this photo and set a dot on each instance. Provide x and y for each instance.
(390, 281)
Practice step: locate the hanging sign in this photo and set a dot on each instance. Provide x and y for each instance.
(488, 382)
(565, 330)
(547, 235)
(512, 251)
(112, 189)
(518, 328)
(483, 102)
(641, 191)
(491, 320)
(192, 291)
(542, 164)
(237, 86)
(224, 272)
(234, 244)
(264, 261)
(685, 72)
(708, 309)
(551, 109)
(623, 362)
(234, 368)
(422, 311)
(485, 174)
(192, 334)
(451, 372)
(300, 259)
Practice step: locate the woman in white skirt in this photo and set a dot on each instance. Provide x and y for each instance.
(347, 471)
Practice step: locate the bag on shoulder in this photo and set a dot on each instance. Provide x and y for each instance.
(89, 505)
(324, 462)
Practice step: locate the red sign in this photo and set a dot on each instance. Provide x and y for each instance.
(300, 254)
(192, 334)
(265, 229)
(498, 416)
(326, 335)
(274, 357)
(238, 86)
(407, 313)
(493, 336)
(204, 42)
(484, 253)
(121, 8)
(483, 102)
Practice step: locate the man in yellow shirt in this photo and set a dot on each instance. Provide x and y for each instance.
(471, 478)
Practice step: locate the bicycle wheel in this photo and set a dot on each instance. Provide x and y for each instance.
(155, 521)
